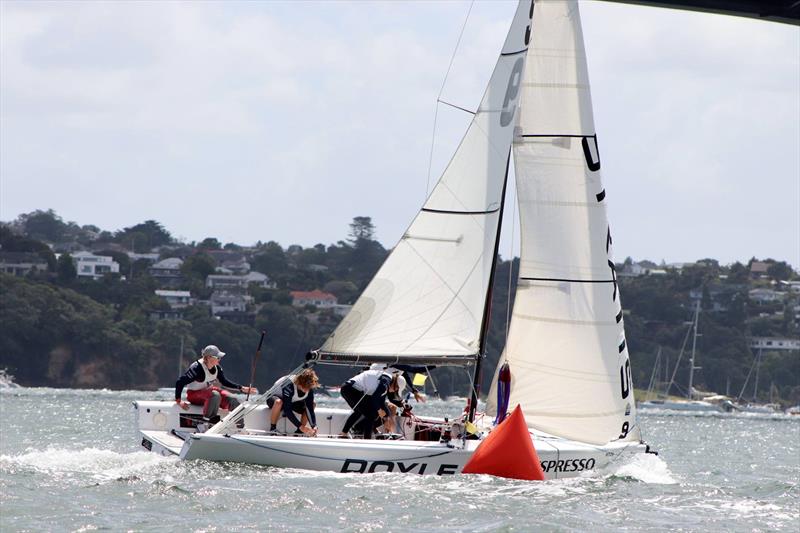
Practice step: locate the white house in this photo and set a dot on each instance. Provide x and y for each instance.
(766, 295)
(238, 266)
(167, 272)
(222, 281)
(20, 263)
(151, 257)
(316, 297)
(774, 343)
(176, 299)
(793, 286)
(93, 266)
(225, 302)
(341, 309)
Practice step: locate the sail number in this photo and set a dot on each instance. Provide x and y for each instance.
(509, 104)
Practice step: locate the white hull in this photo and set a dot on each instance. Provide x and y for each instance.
(560, 458)
(758, 408)
(678, 405)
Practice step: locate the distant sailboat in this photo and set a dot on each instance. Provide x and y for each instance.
(429, 302)
(709, 403)
(753, 406)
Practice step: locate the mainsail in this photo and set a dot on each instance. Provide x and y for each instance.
(427, 301)
(566, 346)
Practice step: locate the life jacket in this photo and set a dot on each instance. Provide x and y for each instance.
(208, 379)
(298, 396)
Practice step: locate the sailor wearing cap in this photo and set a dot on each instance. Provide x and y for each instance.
(200, 389)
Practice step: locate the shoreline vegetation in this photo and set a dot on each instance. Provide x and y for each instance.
(60, 327)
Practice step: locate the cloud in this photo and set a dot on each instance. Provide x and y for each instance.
(281, 121)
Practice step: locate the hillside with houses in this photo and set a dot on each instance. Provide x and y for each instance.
(85, 307)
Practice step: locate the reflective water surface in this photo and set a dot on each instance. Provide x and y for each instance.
(70, 461)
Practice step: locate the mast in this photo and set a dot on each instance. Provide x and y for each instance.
(692, 368)
(487, 308)
(755, 385)
(180, 358)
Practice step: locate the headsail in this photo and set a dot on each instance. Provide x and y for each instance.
(427, 300)
(566, 347)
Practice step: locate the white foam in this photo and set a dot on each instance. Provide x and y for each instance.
(101, 464)
(646, 467)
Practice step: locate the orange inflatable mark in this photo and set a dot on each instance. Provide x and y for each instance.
(507, 452)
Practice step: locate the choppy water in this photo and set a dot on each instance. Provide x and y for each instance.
(70, 461)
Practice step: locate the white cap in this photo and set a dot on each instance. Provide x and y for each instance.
(213, 351)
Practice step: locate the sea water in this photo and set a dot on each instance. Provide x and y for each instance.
(70, 461)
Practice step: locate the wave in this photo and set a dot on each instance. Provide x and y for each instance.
(645, 467)
(102, 465)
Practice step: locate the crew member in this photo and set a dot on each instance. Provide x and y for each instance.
(366, 395)
(406, 371)
(295, 398)
(200, 389)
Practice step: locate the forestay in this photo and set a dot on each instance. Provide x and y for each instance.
(566, 345)
(428, 298)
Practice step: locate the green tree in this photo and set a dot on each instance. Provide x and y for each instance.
(199, 266)
(285, 341)
(738, 273)
(57, 337)
(779, 270)
(144, 237)
(43, 225)
(66, 268)
(167, 336)
(210, 243)
(361, 229)
(366, 255)
(346, 292)
(270, 260)
(11, 242)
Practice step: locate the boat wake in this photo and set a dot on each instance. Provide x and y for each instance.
(87, 463)
(647, 468)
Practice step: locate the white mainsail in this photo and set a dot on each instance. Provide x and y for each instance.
(428, 298)
(566, 347)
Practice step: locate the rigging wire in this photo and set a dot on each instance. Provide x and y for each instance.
(678, 362)
(439, 96)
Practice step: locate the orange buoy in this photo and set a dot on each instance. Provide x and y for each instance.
(507, 452)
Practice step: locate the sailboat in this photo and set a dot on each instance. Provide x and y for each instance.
(429, 302)
(710, 402)
(753, 406)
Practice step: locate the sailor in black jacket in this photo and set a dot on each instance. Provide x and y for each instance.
(296, 398)
(366, 395)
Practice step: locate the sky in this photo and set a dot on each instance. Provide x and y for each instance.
(282, 121)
